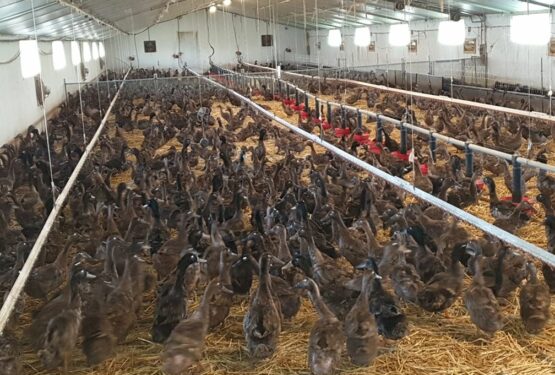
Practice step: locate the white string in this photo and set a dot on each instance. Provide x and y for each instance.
(78, 76)
(52, 185)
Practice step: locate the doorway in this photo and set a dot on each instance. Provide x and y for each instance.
(188, 46)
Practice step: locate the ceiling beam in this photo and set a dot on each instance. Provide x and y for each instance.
(90, 15)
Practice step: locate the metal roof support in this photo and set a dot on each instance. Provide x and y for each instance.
(81, 11)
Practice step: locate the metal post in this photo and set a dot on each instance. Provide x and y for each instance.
(343, 115)
(317, 105)
(287, 90)
(65, 90)
(379, 130)
(403, 145)
(329, 113)
(306, 107)
(517, 180)
(297, 97)
(469, 156)
(359, 119)
(432, 142)
(279, 87)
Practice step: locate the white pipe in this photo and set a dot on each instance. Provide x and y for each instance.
(489, 107)
(483, 150)
(483, 225)
(19, 284)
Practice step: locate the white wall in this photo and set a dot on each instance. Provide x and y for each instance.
(18, 103)
(507, 61)
(222, 37)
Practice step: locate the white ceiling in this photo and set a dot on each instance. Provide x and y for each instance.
(99, 19)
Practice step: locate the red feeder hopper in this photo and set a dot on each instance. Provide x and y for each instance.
(326, 125)
(424, 169)
(528, 212)
(304, 115)
(361, 138)
(398, 155)
(374, 148)
(340, 132)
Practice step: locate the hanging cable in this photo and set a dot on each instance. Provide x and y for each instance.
(52, 185)
(78, 76)
(209, 41)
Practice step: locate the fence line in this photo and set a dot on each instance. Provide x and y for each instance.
(19, 284)
(483, 225)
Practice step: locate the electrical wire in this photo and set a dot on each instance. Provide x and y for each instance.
(52, 185)
(79, 85)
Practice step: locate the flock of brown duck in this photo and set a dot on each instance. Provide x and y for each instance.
(207, 207)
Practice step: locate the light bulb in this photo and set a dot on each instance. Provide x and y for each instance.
(212, 9)
(226, 3)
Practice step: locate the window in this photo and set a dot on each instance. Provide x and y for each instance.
(334, 38)
(362, 37)
(95, 51)
(58, 55)
(75, 53)
(399, 35)
(29, 58)
(86, 52)
(101, 50)
(532, 29)
(451, 33)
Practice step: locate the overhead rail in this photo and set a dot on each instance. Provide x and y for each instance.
(19, 284)
(517, 161)
(445, 99)
(483, 225)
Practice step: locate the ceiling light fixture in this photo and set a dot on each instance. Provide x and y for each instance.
(226, 3)
(212, 9)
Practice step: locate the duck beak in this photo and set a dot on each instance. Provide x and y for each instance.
(364, 266)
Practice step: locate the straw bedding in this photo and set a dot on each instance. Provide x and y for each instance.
(444, 343)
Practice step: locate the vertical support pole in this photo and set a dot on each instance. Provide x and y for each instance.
(287, 91)
(469, 157)
(65, 89)
(329, 113)
(317, 105)
(379, 130)
(517, 180)
(297, 97)
(359, 119)
(403, 145)
(306, 107)
(343, 115)
(279, 87)
(433, 145)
